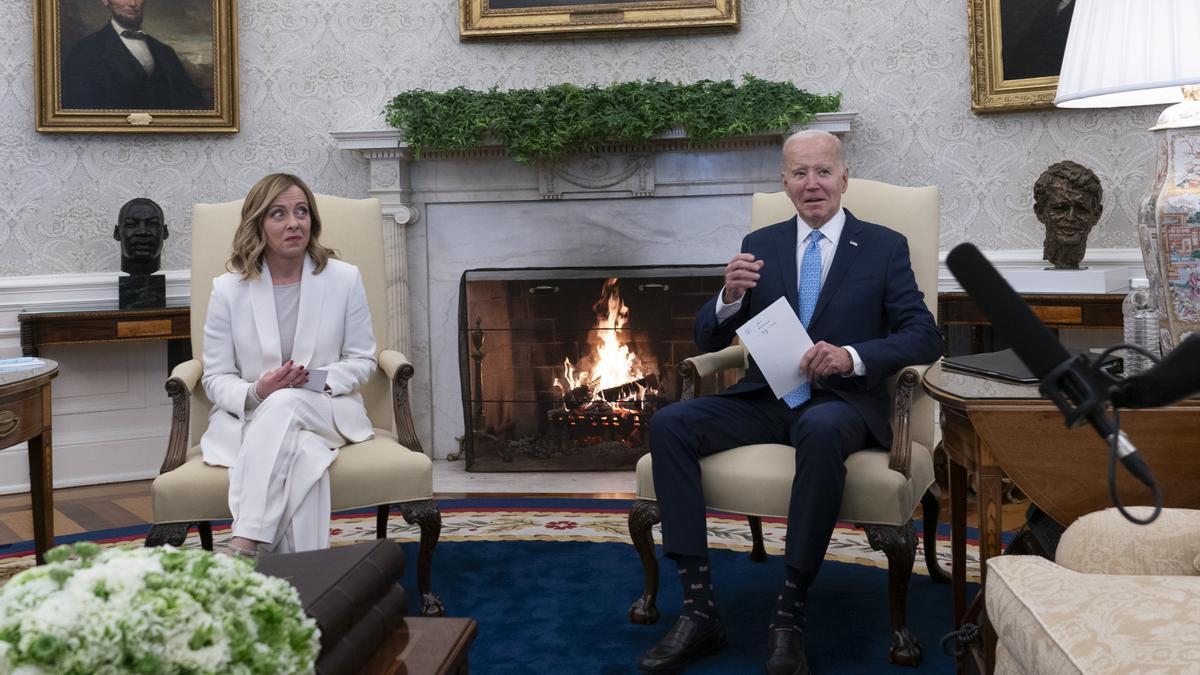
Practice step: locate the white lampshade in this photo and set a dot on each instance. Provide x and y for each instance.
(1129, 52)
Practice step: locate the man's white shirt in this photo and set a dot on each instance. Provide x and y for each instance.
(139, 48)
(831, 232)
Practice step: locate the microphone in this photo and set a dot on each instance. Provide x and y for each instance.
(1075, 384)
(1176, 376)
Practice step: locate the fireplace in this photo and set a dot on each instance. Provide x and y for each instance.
(563, 369)
(449, 212)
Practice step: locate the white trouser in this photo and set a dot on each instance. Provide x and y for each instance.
(279, 485)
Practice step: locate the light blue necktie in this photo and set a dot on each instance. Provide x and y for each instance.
(810, 288)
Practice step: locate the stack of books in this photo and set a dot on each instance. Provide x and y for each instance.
(353, 594)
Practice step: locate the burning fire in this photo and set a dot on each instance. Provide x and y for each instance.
(615, 372)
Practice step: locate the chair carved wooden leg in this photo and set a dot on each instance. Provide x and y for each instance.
(899, 543)
(167, 533)
(205, 530)
(381, 518)
(642, 517)
(930, 506)
(426, 515)
(758, 552)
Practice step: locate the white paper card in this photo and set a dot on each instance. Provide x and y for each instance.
(316, 380)
(777, 341)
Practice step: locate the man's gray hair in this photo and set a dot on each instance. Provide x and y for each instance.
(806, 134)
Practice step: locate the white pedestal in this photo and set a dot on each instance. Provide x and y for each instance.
(1084, 281)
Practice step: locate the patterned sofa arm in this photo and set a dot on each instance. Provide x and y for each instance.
(1051, 620)
(1105, 543)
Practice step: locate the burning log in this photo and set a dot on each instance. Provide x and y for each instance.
(631, 388)
(586, 393)
(579, 396)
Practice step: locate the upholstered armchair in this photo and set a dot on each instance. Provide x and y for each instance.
(388, 470)
(1118, 598)
(883, 486)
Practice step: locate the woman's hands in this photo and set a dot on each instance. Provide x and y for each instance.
(285, 376)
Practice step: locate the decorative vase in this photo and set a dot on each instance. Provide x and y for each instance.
(1169, 226)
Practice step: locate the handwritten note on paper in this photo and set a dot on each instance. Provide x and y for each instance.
(777, 341)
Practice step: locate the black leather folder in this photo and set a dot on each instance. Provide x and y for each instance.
(1003, 365)
(1006, 366)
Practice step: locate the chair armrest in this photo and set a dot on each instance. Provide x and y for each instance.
(183, 380)
(1105, 543)
(693, 368)
(400, 370)
(188, 373)
(900, 456)
(391, 361)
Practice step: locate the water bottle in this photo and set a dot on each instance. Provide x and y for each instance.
(1141, 326)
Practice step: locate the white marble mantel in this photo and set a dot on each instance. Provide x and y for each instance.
(654, 203)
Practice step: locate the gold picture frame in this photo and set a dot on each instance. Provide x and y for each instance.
(1016, 52)
(501, 19)
(179, 75)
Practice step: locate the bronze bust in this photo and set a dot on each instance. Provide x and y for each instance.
(141, 230)
(1067, 200)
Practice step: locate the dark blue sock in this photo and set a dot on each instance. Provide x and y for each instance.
(789, 607)
(698, 600)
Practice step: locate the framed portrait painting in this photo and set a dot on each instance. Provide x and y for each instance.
(1016, 52)
(136, 66)
(498, 19)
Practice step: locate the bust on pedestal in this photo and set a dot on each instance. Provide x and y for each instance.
(1067, 199)
(141, 230)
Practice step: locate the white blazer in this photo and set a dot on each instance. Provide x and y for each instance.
(241, 344)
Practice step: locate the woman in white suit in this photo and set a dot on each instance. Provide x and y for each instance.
(286, 309)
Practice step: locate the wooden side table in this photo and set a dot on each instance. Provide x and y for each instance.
(992, 430)
(25, 417)
(425, 646)
(957, 313)
(106, 322)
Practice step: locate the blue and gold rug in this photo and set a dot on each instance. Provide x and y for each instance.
(550, 582)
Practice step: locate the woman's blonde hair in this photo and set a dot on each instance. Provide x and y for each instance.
(249, 244)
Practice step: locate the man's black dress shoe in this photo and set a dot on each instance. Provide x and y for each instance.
(684, 643)
(786, 649)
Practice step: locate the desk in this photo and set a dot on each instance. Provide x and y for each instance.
(994, 430)
(25, 417)
(425, 646)
(956, 311)
(106, 322)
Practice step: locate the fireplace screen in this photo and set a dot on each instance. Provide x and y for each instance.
(563, 369)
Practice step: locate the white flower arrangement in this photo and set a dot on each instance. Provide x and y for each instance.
(151, 610)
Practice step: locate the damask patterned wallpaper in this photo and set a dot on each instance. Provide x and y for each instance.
(312, 66)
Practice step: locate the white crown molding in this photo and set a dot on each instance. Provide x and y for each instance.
(1026, 258)
(66, 291)
(77, 288)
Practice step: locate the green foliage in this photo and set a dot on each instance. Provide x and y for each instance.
(151, 611)
(564, 118)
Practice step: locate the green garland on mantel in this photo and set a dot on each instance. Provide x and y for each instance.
(562, 119)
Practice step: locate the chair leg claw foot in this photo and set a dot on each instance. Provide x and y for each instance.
(906, 651)
(431, 605)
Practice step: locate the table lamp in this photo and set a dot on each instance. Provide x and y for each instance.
(1147, 52)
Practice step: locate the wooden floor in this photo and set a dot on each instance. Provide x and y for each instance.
(101, 507)
(79, 509)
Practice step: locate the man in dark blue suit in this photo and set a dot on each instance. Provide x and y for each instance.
(121, 67)
(853, 287)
